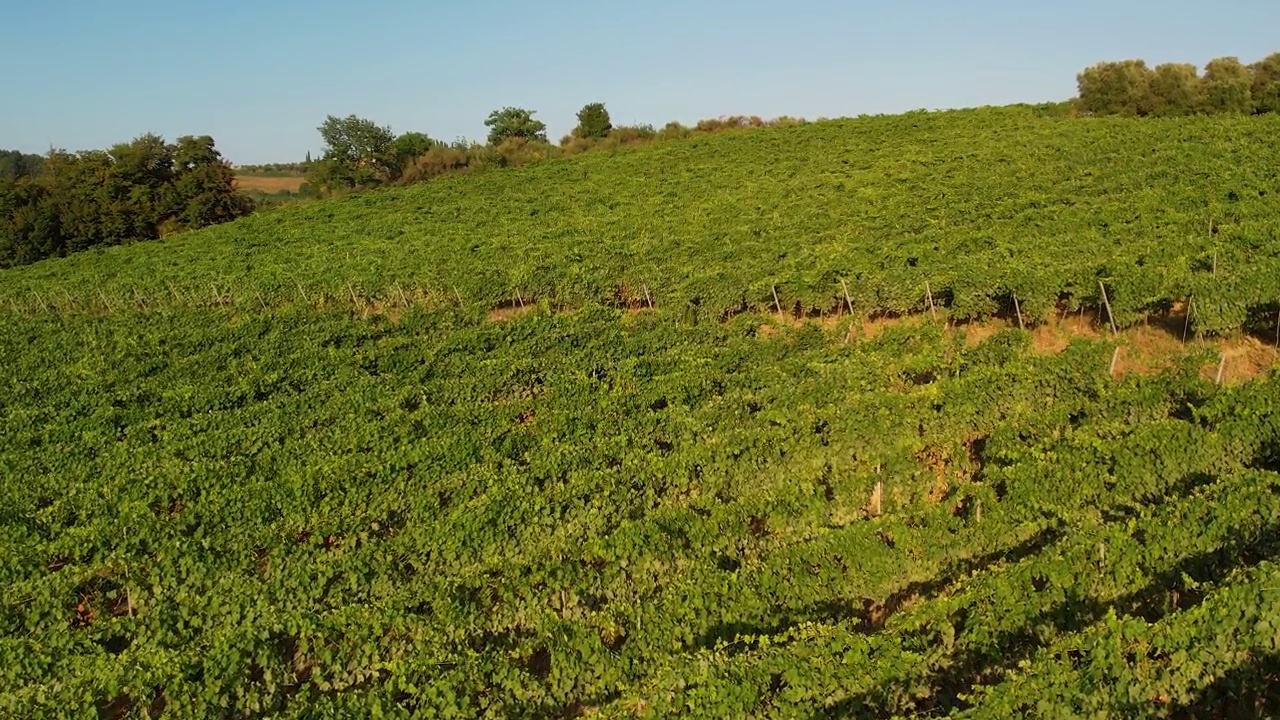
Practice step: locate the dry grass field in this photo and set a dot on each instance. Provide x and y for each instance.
(269, 184)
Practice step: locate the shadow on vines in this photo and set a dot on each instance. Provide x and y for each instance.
(986, 662)
(867, 614)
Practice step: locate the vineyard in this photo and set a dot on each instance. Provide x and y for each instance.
(613, 437)
(977, 213)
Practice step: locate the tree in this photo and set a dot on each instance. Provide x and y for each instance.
(29, 223)
(409, 147)
(593, 121)
(1266, 84)
(91, 201)
(1176, 89)
(140, 171)
(512, 122)
(1116, 88)
(14, 164)
(1228, 86)
(357, 153)
(203, 188)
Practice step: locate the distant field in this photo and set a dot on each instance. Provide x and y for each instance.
(270, 184)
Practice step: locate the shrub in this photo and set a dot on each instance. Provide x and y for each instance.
(439, 160)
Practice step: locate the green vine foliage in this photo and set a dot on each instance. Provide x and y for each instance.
(225, 494)
(980, 208)
(301, 513)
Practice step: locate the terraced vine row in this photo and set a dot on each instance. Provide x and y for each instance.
(300, 513)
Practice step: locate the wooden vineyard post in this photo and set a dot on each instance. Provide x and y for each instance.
(1115, 357)
(1018, 309)
(928, 293)
(258, 295)
(404, 301)
(520, 298)
(1278, 328)
(847, 300)
(875, 507)
(777, 305)
(459, 296)
(39, 299)
(105, 302)
(647, 298)
(217, 296)
(1186, 321)
(352, 292)
(302, 292)
(1222, 365)
(1110, 317)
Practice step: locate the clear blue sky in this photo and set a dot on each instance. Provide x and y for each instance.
(261, 75)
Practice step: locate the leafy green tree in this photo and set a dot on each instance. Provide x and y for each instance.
(202, 191)
(140, 171)
(409, 147)
(1176, 90)
(358, 153)
(1228, 86)
(1266, 84)
(29, 223)
(94, 202)
(512, 122)
(1116, 88)
(593, 121)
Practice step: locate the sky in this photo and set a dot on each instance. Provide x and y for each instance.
(260, 77)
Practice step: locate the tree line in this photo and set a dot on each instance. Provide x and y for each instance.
(140, 190)
(358, 153)
(1130, 87)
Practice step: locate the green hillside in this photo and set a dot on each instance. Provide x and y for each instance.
(272, 469)
(982, 205)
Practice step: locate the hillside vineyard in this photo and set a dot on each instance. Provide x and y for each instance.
(714, 428)
(976, 208)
